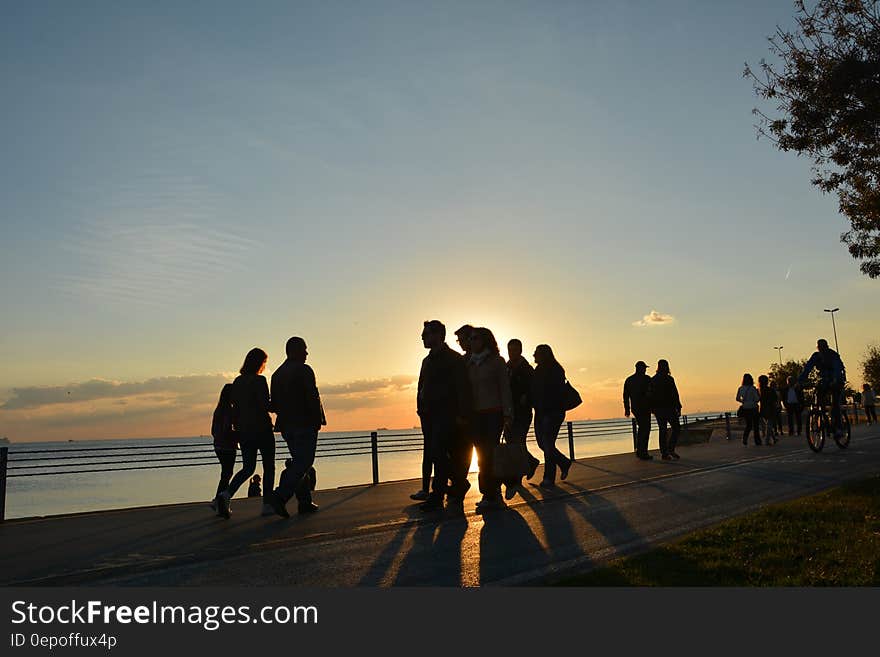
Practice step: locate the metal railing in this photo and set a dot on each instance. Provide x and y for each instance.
(86, 460)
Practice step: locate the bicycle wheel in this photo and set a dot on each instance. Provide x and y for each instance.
(816, 428)
(843, 440)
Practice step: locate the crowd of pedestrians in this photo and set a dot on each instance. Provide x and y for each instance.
(472, 402)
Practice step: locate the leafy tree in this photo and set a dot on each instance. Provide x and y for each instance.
(871, 366)
(791, 368)
(827, 89)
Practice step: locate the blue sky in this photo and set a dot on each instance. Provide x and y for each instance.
(182, 181)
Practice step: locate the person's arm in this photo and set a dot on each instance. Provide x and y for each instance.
(504, 386)
(676, 397)
(814, 360)
(463, 392)
(313, 398)
(626, 396)
(739, 395)
(263, 401)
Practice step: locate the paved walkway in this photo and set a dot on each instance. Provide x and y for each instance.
(375, 536)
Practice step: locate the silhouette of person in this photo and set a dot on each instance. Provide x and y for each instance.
(493, 411)
(748, 396)
(548, 386)
(832, 378)
(667, 408)
(299, 416)
(793, 400)
(462, 450)
(869, 399)
(225, 439)
(443, 403)
(520, 373)
(637, 397)
(254, 489)
(768, 408)
(250, 397)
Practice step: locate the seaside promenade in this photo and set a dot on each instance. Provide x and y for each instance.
(375, 535)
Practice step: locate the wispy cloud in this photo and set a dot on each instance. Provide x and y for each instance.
(654, 318)
(153, 242)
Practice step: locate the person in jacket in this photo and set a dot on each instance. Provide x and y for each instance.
(492, 411)
(225, 439)
(520, 374)
(767, 411)
(443, 401)
(250, 397)
(832, 378)
(637, 398)
(299, 416)
(747, 395)
(548, 396)
(793, 400)
(869, 399)
(666, 405)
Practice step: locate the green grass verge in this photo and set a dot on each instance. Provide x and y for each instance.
(829, 539)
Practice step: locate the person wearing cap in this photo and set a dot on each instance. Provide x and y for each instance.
(637, 398)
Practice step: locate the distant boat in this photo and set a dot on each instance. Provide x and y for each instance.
(382, 429)
(4, 440)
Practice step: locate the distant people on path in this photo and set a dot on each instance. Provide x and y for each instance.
(254, 489)
(777, 416)
(793, 399)
(250, 397)
(667, 409)
(767, 409)
(548, 396)
(869, 399)
(520, 373)
(443, 402)
(748, 396)
(299, 416)
(637, 398)
(225, 439)
(832, 377)
(492, 411)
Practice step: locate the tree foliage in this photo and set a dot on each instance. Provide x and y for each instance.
(871, 366)
(791, 368)
(826, 86)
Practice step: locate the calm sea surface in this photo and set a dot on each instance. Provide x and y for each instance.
(41, 493)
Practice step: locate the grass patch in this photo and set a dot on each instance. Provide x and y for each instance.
(829, 539)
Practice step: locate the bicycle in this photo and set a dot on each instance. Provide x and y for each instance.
(819, 426)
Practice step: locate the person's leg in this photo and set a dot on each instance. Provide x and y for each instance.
(797, 409)
(873, 411)
(267, 456)
(662, 422)
(676, 430)
(790, 412)
(440, 444)
(643, 431)
(302, 443)
(835, 407)
(427, 458)
(756, 426)
(227, 466)
(520, 432)
(550, 425)
(248, 464)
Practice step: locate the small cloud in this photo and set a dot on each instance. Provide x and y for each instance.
(654, 318)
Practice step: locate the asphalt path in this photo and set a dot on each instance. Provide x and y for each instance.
(375, 536)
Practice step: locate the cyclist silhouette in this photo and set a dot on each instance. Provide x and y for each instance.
(832, 377)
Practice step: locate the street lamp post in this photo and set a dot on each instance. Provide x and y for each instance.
(779, 349)
(834, 326)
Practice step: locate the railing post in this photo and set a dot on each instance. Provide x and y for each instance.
(684, 419)
(570, 441)
(374, 448)
(635, 435)
(4, 461)
(727, 423)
